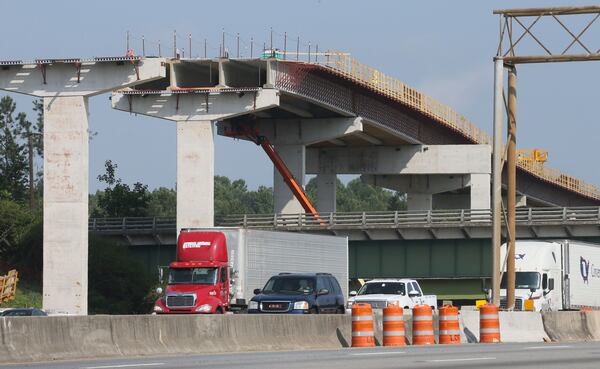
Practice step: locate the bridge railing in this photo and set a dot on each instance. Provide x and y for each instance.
(358, 220)
(348, 67)
(399, 219)
(132, 224)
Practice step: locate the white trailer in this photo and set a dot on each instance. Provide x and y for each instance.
(556, 275)
(256, 255)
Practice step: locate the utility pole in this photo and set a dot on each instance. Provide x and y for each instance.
(511, 193)
(497, 179)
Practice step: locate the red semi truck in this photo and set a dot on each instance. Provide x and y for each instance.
(218, 269)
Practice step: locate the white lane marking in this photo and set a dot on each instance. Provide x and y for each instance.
(123, 366)
(545, 347)
(377, 353)
(463, 359)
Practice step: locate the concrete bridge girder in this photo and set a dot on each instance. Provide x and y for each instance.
(65, 87)
(419, 170)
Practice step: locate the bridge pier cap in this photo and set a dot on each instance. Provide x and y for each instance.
(65, 86)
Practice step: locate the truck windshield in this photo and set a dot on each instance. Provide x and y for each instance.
(192, 275)
(289, 285)
(525, 280)
(385, 288)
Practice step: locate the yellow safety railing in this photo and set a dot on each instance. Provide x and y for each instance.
(348, 67)
(8, 286)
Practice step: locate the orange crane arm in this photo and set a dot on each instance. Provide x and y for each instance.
(288, 177)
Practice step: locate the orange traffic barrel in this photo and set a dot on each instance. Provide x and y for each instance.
(448, 324)
(393, 326)
(489, 324)
(362, 326)
(422, 325)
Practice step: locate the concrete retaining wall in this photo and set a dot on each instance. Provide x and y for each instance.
(520, 326)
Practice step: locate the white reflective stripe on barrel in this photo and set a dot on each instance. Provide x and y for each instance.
(418, 318)
(392, 318)
(423, 333)
(450, 331)
(362, 334)
(451, 317)
(488, 316)
(359, 318)
(393, 333)
(489, 330)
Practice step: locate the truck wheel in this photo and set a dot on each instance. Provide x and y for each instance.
(218, 311)
(314, 311)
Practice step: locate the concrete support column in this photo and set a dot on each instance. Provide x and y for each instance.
(418, 201)
(195, 174)
(294, 157)
(326, 196)
(66, 156)
(480, 191)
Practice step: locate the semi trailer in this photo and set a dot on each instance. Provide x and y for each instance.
(217, 269)
(554, 275)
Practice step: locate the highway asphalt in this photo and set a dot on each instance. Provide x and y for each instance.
(511, 355)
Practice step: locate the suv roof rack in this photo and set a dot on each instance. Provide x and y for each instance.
(323, 273)
(284, 273)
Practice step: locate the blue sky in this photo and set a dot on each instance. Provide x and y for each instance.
(443, 48)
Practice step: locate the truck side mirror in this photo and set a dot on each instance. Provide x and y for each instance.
(413, 294)
(256, 291)
(550, 284)
(353, 293)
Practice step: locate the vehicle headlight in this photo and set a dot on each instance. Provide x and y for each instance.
(204, 308)
(158, 309)
(253, 305)
(301, 305)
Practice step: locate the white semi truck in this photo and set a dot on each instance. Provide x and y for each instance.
(555, 275)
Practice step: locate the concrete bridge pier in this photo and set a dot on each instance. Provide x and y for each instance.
(65, 86)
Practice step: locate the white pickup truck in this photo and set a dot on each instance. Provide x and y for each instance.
(380, 293)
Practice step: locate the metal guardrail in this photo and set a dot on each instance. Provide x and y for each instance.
(8, 286)
(349, 68)
(358, 220)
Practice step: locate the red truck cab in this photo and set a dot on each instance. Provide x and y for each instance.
(199, 279)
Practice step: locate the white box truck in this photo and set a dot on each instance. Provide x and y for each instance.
(556, 275)
(217, 269)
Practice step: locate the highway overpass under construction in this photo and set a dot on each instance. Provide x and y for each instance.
(447, 250)
(327, 115)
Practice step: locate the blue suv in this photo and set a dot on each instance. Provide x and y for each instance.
(299, 293)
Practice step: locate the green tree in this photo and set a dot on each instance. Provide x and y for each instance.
(118, 199)
(118, 283)
(163, 202)
(13, 160)
(358, 196)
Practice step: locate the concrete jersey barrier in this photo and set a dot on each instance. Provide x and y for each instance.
(566, 326)
(27, 339)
